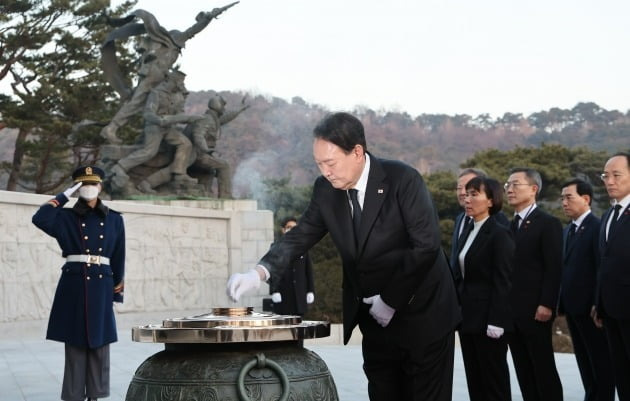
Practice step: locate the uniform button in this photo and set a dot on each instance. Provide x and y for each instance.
(82, 224)
(87, 251)
(100, 249)
(102, 224)
(88, 265)
(85, 237)
(101, 236)
(100, 276)
(88, 277)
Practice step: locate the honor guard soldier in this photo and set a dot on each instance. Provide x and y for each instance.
(92, 240)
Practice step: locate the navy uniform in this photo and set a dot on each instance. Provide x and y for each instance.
(92, 239)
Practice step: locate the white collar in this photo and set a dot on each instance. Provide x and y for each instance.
(361, 185)
(579, 220)
(623, 202)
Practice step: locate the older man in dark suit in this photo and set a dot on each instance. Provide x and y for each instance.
(613, 301)
(577, 291)
(396, 281)
(535, 287)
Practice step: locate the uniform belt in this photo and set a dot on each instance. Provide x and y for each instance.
(91, 259)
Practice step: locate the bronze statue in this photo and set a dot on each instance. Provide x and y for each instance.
(164, 109)
(204, 134)
(159, 50)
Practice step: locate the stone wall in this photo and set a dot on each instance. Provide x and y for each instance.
(179, 254)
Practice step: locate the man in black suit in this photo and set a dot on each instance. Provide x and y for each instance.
(613, 300)
(577, 291)
(535, 287)
(295, 289)
(396, 281)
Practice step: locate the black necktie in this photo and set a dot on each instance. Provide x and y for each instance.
(615, 217)
(571, 235)
(356, 212)
(515, 226)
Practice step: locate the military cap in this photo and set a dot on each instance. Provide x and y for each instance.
(90, 174)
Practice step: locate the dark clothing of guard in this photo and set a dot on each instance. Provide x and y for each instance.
(295, 283)
(82, 313)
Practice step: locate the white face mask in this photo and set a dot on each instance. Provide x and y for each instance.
(89, 192)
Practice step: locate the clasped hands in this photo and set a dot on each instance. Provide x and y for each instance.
(276, 298)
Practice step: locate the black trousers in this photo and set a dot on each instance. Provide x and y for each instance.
(618, 334)
(406, 372)
(485, 362)
(86, 373)
(534, 362)
(593, 358)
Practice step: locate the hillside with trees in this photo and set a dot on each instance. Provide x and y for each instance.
(273, 138)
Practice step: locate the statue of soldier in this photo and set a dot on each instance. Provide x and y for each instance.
(163, 111)
(159, 50)
(204, 134)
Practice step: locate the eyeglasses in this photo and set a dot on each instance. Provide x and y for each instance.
(614, 176)
(507, 185)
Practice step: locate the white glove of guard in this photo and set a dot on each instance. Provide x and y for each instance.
(240, 283)
(276, 297)
(310, 297)
(494, 331)
(68, 192)
(380, 311)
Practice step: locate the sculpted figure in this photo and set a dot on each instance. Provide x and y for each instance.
(159, 50)
(163, 111)
(204, 134)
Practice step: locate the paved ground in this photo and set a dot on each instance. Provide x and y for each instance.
(31, 368)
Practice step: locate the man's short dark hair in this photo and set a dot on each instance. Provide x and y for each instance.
(581, 187)
(491, 188)
(341, 129)
(623, 154)
(284, 222)
(532, 175)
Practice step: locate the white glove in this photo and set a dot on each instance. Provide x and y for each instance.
(240, 283)
(494, 331)
(310, 297)
(68, 192)
(380, 311)
(276, 297)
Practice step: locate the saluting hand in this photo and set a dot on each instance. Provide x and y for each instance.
(68, 192)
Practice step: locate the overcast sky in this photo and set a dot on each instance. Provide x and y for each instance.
(418, 56)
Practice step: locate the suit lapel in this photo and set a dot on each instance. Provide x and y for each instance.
(375, 195)
(480, 239)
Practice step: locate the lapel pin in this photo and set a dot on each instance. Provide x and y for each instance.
(380, 191)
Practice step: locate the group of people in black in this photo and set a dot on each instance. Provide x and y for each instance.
(513, 276)
(500, 288)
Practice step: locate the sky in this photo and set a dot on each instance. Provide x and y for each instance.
(414, 56)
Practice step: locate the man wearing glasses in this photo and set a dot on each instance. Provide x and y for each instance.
(613, 301)
(535, 286)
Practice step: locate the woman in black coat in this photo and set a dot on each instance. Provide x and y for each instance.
(485, 261)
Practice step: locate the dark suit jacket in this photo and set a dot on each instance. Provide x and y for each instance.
(293, 286)
(579, 270)
(398, 254)
(537, 265)
(487, 279)
(614, 277)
